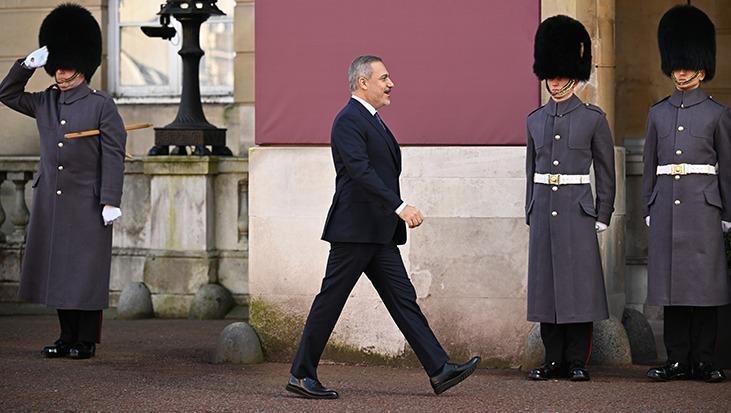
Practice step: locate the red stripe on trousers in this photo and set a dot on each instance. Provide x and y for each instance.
(591, 340)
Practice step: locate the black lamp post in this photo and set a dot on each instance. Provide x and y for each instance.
(190, 127)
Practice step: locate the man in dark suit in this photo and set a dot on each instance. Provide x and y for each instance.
(365, 224)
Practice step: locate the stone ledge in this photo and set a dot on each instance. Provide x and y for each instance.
(144, 252)
(19, 163)
(180, 165)
(194, 165)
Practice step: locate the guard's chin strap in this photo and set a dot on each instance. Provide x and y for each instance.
(690, 80)
(565, 90)
(67, 80)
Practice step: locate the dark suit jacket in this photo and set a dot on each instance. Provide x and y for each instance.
(367, 161)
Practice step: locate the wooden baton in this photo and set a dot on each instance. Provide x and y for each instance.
(94, 132)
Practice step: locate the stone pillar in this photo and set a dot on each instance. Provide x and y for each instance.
(197, 235)
(241, 114)
(232, 226)
(182, 256)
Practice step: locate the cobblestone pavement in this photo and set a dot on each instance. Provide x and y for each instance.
(164, 366)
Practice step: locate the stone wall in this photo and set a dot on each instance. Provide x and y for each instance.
(468, 261)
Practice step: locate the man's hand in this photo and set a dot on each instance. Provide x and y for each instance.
(725, 226)
(647, 220)
(36, 59)
(110, 213)
(412, 216)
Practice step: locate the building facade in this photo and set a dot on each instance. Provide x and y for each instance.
(252, 223)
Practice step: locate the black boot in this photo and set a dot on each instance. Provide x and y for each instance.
(578, 373)
(82, 350)
(670, 371)
(552, 370)
(58, 349)
(708, 373)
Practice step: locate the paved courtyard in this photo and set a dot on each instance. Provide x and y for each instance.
(164, 366)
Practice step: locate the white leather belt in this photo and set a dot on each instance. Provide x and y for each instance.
(685, 169)
(558, 179)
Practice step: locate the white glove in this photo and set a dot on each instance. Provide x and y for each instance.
(726, 226)
(37, 58)
(600, 226)
(110, 213)
(647, 220)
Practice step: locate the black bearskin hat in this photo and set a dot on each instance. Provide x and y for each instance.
(687, 40)
(562, 49)
(73, 38)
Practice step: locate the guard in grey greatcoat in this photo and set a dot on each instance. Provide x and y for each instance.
(78, 187)
(565, 137)
(686, 196)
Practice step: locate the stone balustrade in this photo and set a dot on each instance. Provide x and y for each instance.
(18, 170)
(15, 193)
(184, 224)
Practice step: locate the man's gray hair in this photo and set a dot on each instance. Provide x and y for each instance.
(361, 67)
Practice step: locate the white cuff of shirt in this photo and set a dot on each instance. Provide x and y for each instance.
(400, 208)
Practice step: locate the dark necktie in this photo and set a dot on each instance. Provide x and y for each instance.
(380, 122)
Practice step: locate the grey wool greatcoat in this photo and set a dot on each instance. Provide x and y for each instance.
(68, 250)
(686, 255)
(565, 280)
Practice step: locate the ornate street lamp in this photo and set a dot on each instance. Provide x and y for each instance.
(190, 127)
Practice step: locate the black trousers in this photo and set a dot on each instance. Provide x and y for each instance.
(690, 333)
(567, 344)
(80, 326)
(385, 269)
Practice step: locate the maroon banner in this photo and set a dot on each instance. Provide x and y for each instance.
(462, 69)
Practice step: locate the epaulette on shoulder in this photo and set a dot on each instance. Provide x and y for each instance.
(535, 110)
(660, 101)
(715, 101)
(100, 93)
(595, 108)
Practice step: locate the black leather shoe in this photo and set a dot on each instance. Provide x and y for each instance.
(310, 388)
(670, 371)
(58, 349)
(708, 373)
(82, 350)
(552, 370)
(452, 374)
(579, 374)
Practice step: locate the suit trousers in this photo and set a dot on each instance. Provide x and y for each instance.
(690, 333)
(80, 326)
(383, 266)
(567, 344)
